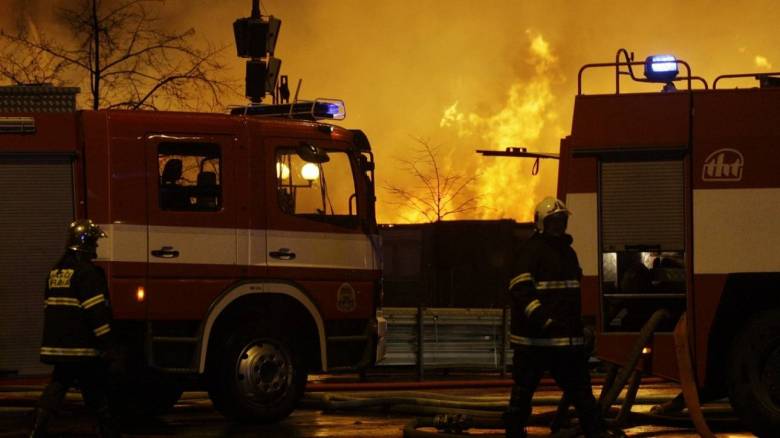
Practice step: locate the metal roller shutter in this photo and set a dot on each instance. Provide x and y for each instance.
(36, 204)
(642, 205)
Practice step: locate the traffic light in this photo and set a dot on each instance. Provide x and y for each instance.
(256, 39)
(261, 77)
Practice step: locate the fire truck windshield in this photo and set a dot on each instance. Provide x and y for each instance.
(321, 190)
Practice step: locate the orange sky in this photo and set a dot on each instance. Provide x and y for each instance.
(478, 74)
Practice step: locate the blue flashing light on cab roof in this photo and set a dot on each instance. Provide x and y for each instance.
(661, 68)
(330, 108)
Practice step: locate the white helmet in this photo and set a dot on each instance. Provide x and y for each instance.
(549, 206)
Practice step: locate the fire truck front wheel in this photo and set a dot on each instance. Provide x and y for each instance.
(258, 377)
(754, 374)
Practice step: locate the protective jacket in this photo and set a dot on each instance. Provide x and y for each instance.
(77, 316)
(545, 292)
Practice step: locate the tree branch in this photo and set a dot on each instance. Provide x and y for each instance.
(443, 189)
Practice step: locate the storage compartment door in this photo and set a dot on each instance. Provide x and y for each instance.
(36, 206)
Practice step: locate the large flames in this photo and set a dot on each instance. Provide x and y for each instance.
(467, 75)
(505, 187)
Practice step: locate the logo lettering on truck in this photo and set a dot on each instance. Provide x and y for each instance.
(723, 165)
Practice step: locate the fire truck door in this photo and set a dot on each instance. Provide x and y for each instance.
(314, 208)
(193, 203)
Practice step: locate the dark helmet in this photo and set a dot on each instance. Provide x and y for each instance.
(83, 236)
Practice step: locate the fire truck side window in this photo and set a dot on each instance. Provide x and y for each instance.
(643, 272)
(318, 187)
(190, 176)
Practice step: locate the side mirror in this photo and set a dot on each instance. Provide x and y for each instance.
(312, 154)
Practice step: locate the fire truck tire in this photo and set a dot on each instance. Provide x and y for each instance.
(754, 374)
(258, 377)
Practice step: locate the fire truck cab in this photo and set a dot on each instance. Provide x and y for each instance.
(242, 248)
(676, 200)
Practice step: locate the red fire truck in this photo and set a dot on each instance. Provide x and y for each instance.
(676, 201)
(242, 248)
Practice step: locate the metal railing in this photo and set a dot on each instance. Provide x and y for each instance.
(447, 338)
(629, 64)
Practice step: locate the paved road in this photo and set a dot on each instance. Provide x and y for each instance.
(194, 416)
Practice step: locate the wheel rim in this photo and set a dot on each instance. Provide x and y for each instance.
(264, 372)
(770, 375)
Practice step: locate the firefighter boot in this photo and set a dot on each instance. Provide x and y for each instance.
(108, 427)
(40, 423)
(514, 428)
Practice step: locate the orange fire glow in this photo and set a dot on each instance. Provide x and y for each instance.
(473, 75)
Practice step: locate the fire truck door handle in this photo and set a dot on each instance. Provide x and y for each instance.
(282, 254)
(166, 252)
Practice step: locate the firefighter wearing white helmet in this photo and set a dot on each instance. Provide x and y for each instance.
(548, 207)
(546, 329)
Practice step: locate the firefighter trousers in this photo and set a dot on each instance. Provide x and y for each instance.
(92, 378)
(569, 368)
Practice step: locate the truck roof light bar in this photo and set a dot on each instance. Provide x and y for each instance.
(17, 125)
(319, 109)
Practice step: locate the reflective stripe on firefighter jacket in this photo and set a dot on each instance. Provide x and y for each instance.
(77, 317)
(545, 293)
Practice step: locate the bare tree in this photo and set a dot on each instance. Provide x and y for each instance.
(439, 193)
(125, 51)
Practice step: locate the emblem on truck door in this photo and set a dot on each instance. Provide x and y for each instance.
(723, 165)
(346, 298)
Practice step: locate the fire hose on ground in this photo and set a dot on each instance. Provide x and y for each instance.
(453, 415)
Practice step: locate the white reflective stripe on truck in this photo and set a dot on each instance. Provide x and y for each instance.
(244, 247)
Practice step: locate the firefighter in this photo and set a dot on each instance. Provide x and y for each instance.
(77, 337)
(546, 329)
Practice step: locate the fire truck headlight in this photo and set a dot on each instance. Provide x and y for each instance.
(661, 68)
(140, 294)
(310, 171)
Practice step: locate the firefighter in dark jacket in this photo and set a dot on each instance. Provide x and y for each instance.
(546, 330)
(77, 336)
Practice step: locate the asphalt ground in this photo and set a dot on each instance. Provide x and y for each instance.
(194, 416)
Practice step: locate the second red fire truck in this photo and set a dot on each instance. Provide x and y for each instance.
(676, 201)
